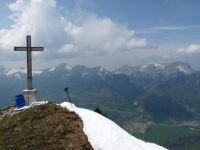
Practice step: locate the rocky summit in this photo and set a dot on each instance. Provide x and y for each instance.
(45, 127)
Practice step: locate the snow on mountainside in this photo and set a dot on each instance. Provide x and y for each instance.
(170, 68)
(11, 71)
(18, 72)
(68, 68)
(52, 69)
(167, 68)
(22, 71)
(62, 66)
(103, 134)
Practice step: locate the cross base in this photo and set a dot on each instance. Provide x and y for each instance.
(30, 96)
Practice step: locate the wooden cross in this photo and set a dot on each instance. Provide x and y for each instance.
(29, 49)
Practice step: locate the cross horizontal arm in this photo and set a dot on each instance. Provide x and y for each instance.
(20, 48)
(37, 48)
(32, 48)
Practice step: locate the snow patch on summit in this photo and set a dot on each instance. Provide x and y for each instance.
(143, 67)
(37, 72)
(101, 69)
(183, 69)
(103, 72)
(12, 71)
(17, 72)
(52, 69)
(159, 66)
(68, 68)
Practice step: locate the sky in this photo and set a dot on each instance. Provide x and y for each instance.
(107, 33)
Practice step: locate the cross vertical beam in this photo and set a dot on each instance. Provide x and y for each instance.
(29, 63)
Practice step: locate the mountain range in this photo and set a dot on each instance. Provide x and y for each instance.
(148, 92)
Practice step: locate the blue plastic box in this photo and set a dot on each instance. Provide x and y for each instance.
(20, 101)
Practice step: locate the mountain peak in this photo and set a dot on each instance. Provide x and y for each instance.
(169, 68)
(18, 72)
(11, 71)
(63, 66)
(181, 66)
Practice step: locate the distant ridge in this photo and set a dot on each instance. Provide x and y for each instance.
(125, 69)
(164, 68)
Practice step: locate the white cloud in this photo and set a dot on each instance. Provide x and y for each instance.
(37, 18)
(59, 35)
(169, 28)
(102, 35)
(159, 29)
(193, 48)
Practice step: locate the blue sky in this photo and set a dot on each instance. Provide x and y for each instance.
(106, 33)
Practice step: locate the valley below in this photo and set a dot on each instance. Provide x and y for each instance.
(174, 136)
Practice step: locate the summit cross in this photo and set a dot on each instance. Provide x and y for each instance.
(29, 49)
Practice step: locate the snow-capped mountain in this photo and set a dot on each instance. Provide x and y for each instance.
(126, 82)
(152, 69)
(151, 75)
(63, 67)
(149, 69)
(18, 73)
(97, 86)
(104, 134)
(15, 72)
